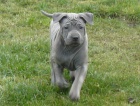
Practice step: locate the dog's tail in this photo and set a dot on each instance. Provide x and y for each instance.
(47, 14)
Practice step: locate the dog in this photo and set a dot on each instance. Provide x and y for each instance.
(69, 49)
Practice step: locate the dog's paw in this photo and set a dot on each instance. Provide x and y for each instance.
(66, 85)
(74, 96)
(63, 85)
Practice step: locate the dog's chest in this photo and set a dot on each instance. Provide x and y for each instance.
(66, 58)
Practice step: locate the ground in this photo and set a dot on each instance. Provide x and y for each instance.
(113, 77)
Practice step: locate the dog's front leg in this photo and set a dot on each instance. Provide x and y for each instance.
(78, 82)
(57, 76)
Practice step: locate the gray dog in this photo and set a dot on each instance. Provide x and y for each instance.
(69, 49)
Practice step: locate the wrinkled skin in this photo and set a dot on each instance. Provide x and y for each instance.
(69, 49)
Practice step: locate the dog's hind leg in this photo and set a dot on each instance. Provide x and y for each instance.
(53, 80)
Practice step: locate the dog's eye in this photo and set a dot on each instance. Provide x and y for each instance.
(66, 27)
(80, 27)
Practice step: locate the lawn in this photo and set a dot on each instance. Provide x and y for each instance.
(113, 77)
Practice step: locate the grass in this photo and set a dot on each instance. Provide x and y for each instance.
(114, 53)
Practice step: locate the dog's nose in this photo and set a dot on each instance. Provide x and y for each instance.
(75, 38)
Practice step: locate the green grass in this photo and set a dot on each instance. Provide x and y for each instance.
(114, 53)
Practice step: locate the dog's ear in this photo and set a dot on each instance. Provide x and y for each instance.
(57, 17)
(88, 17)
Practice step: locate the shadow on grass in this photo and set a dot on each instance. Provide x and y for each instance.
(63, 91)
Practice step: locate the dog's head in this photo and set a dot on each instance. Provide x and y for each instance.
(72, 26)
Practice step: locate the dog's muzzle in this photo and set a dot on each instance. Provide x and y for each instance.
(73, 37)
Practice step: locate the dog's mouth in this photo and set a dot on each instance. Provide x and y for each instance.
(72, 43)
(75, 43)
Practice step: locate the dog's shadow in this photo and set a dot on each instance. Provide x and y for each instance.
(62, 91)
